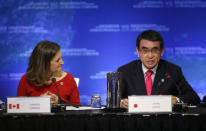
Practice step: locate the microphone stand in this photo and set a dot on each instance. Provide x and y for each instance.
(61, 106)
(60, 101)
(180, 106)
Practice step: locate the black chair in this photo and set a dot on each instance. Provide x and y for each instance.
(204, 99)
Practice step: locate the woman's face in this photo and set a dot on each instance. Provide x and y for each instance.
(56, 63)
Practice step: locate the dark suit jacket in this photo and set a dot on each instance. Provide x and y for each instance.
(168, 80)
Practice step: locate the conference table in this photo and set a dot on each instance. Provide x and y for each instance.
(191, 119)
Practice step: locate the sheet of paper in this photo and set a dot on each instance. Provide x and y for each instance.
(83, 108)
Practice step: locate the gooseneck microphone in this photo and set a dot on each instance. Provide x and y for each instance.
(167, 76)
(60, 101)
(180, 106)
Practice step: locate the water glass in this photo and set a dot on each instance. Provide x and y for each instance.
(96, 101)
(2, 105)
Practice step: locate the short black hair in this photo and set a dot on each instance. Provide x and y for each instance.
(150, 35)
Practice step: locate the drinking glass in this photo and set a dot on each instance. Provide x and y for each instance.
(96, 101)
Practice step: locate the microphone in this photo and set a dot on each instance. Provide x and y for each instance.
(180, 106)
(60, 101)
(167, 76)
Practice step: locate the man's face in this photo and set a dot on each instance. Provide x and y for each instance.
(149, 53)
(56, 63)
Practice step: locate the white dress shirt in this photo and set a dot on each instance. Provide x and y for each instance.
(153, 74)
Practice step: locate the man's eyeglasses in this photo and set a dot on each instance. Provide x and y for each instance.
(153, 51)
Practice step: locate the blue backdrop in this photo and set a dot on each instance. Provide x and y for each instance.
(98, 36)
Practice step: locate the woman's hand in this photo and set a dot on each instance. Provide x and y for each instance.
(53, 97)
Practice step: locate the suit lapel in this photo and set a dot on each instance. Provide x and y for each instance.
(140, 81)
(156, 84)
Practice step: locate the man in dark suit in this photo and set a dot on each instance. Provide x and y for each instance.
(152, 76)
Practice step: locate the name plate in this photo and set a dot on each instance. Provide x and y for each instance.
(150, 104)
(28, 105)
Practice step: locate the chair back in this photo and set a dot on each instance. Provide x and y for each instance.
(204, 99)
(77, 81)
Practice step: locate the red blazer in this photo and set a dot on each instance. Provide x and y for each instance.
(67, 89)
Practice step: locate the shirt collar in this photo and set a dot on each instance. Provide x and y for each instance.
(145, 69)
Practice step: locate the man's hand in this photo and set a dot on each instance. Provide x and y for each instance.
(53, 97)
(124, 103)
(174, 100)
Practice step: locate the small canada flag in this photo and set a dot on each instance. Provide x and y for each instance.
(14, 106)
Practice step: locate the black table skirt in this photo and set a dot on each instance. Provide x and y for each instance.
(102, 122)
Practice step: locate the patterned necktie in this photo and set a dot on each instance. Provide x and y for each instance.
(149, 82)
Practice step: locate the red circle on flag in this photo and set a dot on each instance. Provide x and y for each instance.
(135, 105)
